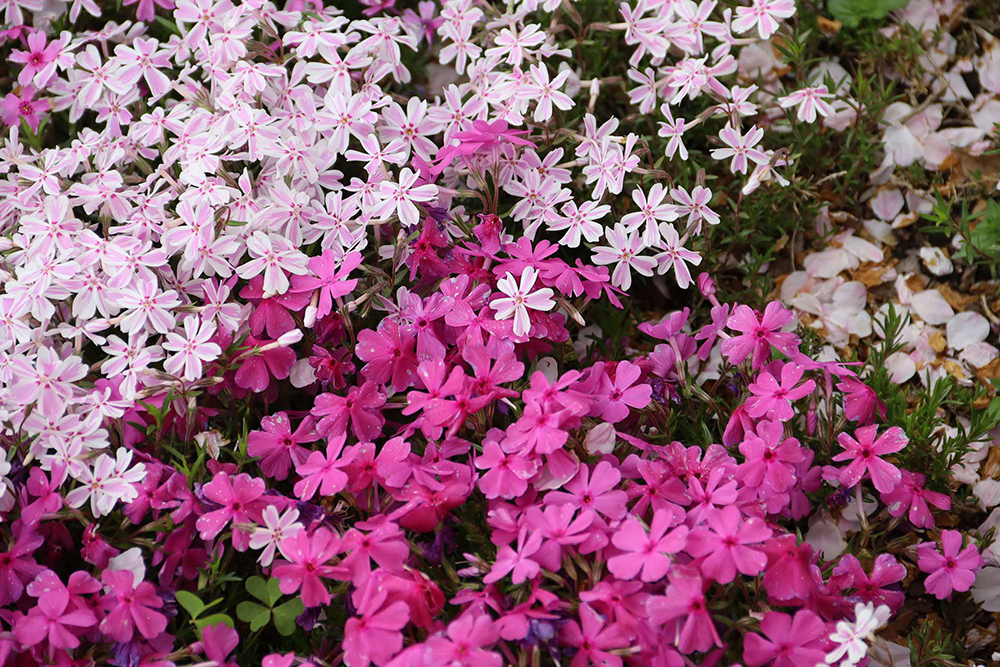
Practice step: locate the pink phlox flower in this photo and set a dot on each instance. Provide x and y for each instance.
(668, 327)
(273, 312)
(39, 62)
(492, 368)
(741, 148)
(759, 334)
(770, 457)
(791, 573)
(662, 490)
(423, 317)
(911, 498)
(517, 562)
(385, 544)
(562, 527)
(695, 205)
(594, 638)
(375, 635)
(145, 10)
(360, 408)
(218, 641)
(131, 606)
(719, 490)
(465, 643)
(241, 503)
(811, 101)
(16, 107)
(685, 609)
(324, 472)
(53, 618)
(489, 233)
(507, 474)
(616, 397)
(861, 403)
(191, 350)
(773, 399)
(389, 353)
(538, 431)
(764, 15)
(865, 456)
(647, 555)
(257, 370)
(886, 572)
(710, 332)
(951, 569)
(791, 641)
(723, 545)
(278, 447)
(594, 489)
(306, 559)
(482, 138)
(675, 256)
(623, 601)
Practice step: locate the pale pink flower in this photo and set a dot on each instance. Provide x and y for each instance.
(520, 298)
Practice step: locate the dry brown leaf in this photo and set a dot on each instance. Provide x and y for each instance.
(955, 370)
(915, 282)
(829, 27)
(938, 342)
(871, 277)
(960, 302)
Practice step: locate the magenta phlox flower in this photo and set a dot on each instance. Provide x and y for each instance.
(280, 448)
(770, 457)
(909, 497)
(241, 503)
(758, 334)
(724, 545)
(375, 635)
(359, 409)
(594, 638)
(874, 588)
(616, 397)
(465, 643)
(384, 543)
(788, 641)
(773, 399)
(951, 569)
(791, 573)
(517, 561)
(684, 607)
(54, 618)
(865, 456)
(593, 489)
(323, 472)
(389, 353)
(861, 404)
(306, 563)
(273, 312)
(218, 642)
(131, 606)
(647, 555)
(258, 370)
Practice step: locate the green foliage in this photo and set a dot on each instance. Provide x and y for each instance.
(193, 605)
(852, 12)
(979, 231)
(258, 615)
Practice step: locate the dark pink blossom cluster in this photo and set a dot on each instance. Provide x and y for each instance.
(272, 313)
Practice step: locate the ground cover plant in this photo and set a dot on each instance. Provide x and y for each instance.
(548, 332)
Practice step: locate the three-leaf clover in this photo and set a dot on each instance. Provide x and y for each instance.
(257, 615)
